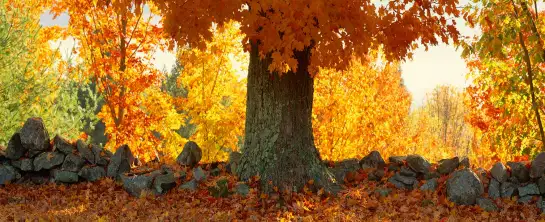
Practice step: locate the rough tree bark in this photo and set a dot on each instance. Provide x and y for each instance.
(279, 144)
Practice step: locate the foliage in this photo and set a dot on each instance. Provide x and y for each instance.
(506, 62)
(359, 110)
(34, 82)
(216, 92)
(116, 50)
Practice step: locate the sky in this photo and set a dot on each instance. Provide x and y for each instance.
(439, 65)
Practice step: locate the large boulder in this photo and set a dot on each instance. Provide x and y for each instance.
(85, 152)
(372, 160)
(447, 166)
(15, 149)
(190, 155)
(24, 164)
(34, 136)
(48, 160)
(538, 166)
(73, 163)
(8, 174)
(519, 171)
(499, 172)
(92, 173)
(120, 162)
(62, 145)
(464, 187)
(418, 163)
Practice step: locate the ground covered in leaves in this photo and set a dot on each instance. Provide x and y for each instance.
(362, 200)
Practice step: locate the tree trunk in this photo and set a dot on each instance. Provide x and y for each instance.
(279, 144)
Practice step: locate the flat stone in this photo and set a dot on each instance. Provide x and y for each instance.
(34, 136)
(447, 166)
(48, 160)
(191, 185)
(530, 189)
(418, 164)
(164, 182)
(65, 176)
(430, 185)
(92, 173)
(487, 204)
(135, 185)
(62, 145)
(23, 164)
(73, 163)
(406, 180)
(499, 172)
(525, 199)
(405, 171)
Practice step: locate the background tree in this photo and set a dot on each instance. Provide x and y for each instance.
(288, 41)
(34, 80)
(116, 46)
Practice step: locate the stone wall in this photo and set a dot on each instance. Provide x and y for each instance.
(31, 157)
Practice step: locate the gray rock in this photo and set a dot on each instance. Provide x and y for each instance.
(135, 185)
(102, 156)
(530, 189)
(120, 162)
(234, 159)
(538, 166)
(65, 176)
(541, 185)
(487, 204)
(405, 171)
(431, 174)
(73, 163)
(341, 168)
(494, 189)
(34, 136)
(525, 199)
(15, 149)
(48, 160)
(507, 189)
(372, 160)
(85, 152)
(23, 164)
(465, 162)
(62, 145)
(430, 185)
(519, 171)
(464, 187)
(405, 179)
(393, 168)
(482, 174)
(499, 172)
(8, 174)
(397, 160)
(398, 184)
(447, 166)
(190, 155)
(198, 174)
(418, 163)
(92, 173)
(242, 189)
(164, 182)
(191, 185)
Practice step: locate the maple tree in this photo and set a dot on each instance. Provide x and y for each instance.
(116, 46)
(360, 109)
(216, 92)
(506, 64)
(287, 42)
